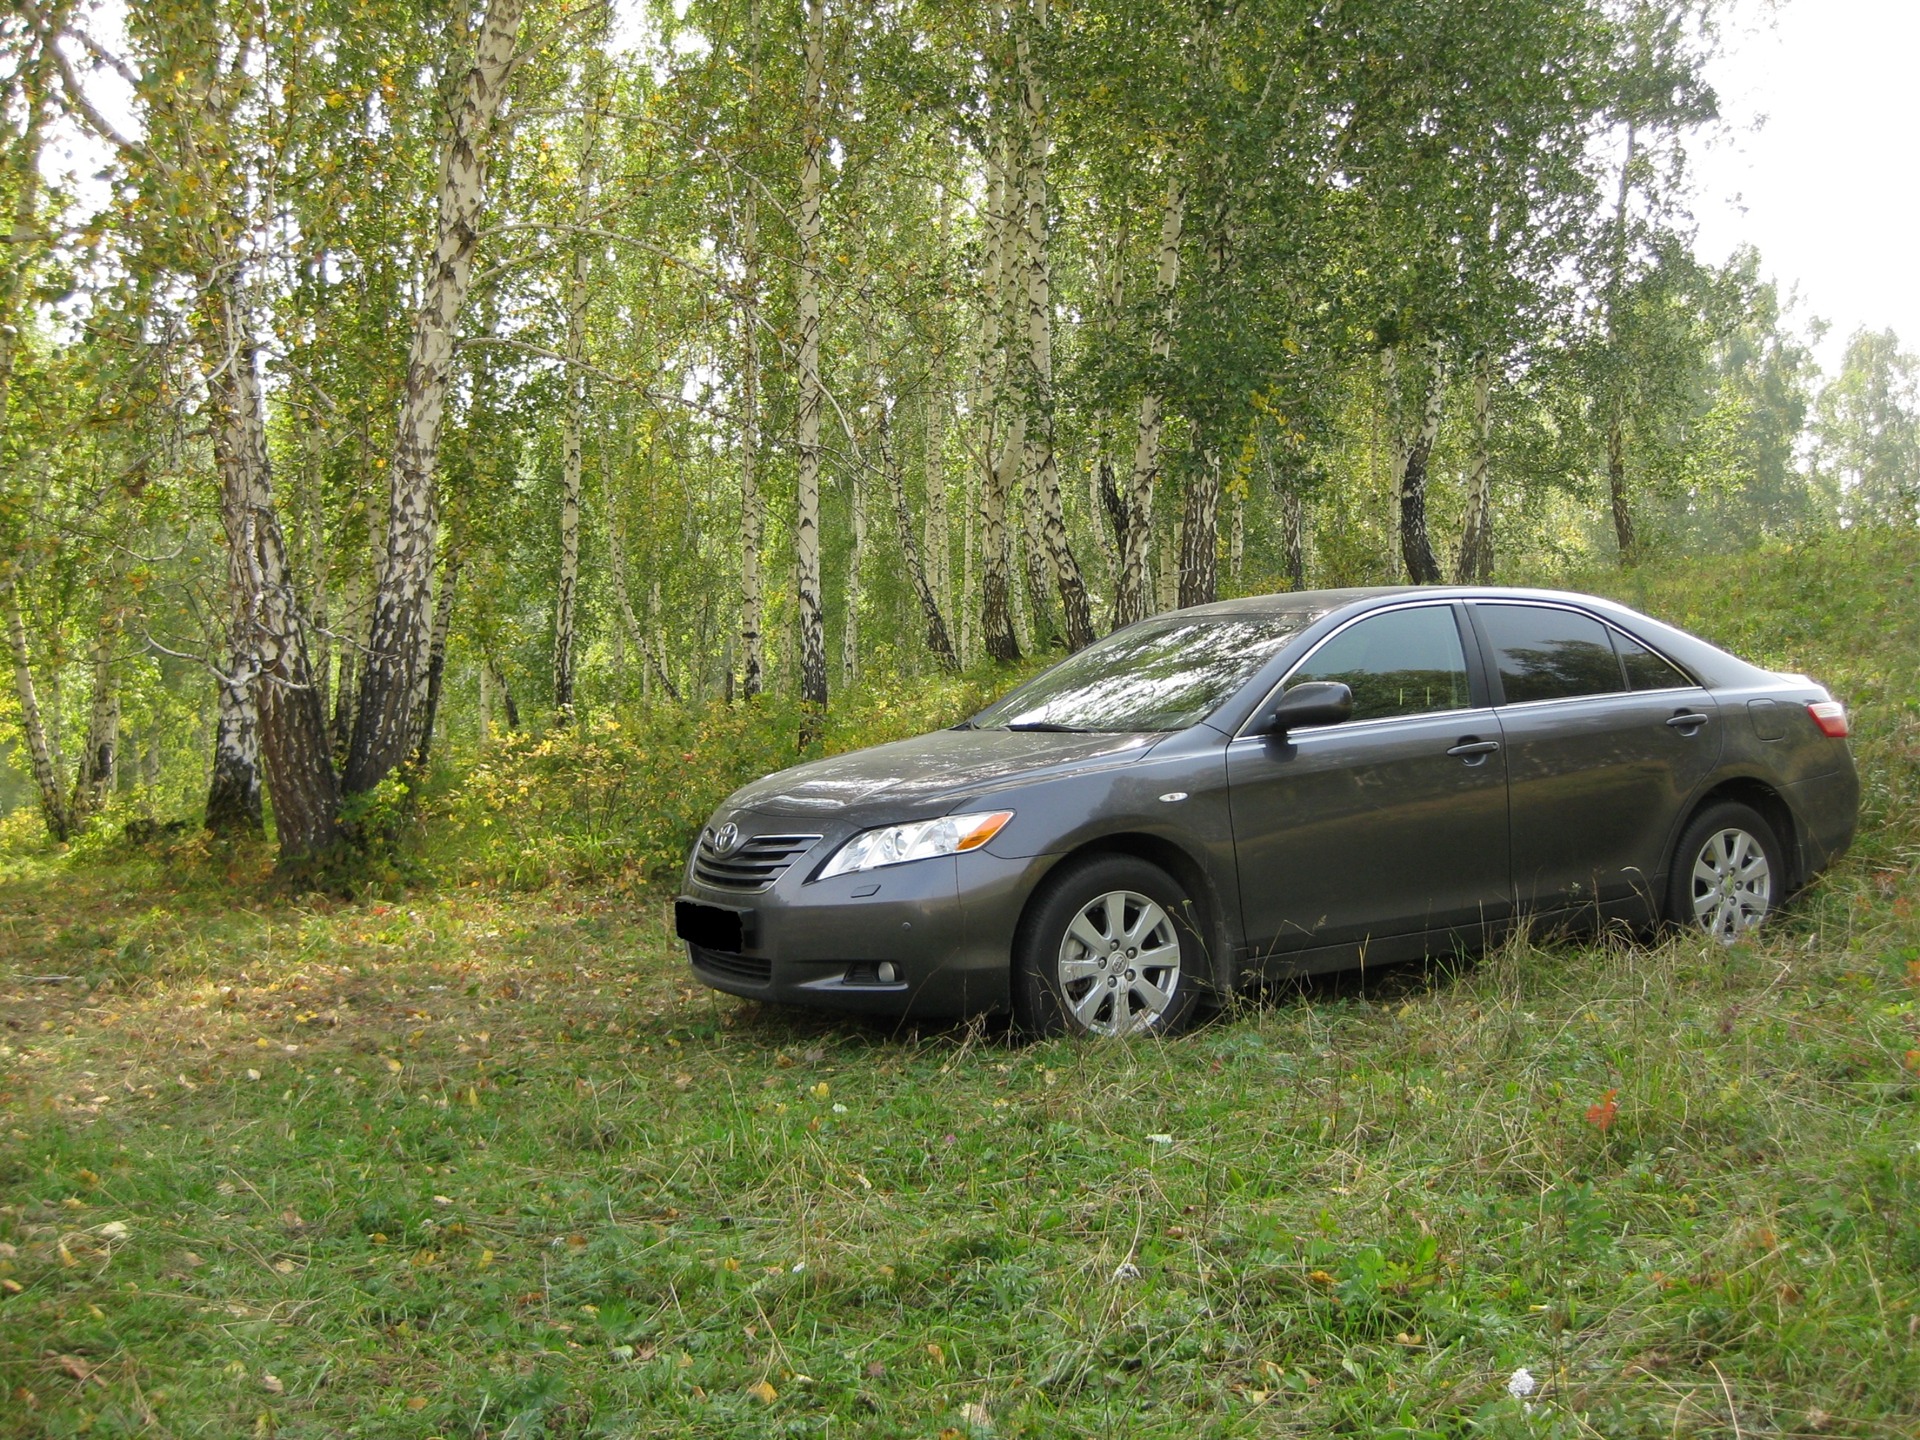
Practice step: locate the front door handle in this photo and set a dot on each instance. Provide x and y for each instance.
(1689, 721)
(1473, 751)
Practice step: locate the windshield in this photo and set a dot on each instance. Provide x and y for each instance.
(1163, 674)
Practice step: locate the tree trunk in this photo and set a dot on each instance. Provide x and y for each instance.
(1200, 532)
(1475, 564)
(1416, 545)
(293, 729)
(318, 597)
(437, 659)
(856, 558)
(396, 648)
(939, 539)
(579, 287)
(99, 767)
(999, 460)
(1133, 593)
(1237, 540)
(42, 748)
(1617, 487)
(506, 692)
(346, 680)
(938, 640)
(233, 793)
(812, 395)
(753, 506)
(1043, 463)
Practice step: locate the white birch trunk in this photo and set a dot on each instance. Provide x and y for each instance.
(42, 748)
(1475, 563)
(812, 395)
(397, 646)
(1133, 595)
(1043, 463)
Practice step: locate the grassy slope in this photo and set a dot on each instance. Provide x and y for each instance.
(472, 1166)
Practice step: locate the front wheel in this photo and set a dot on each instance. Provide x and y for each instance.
(1728, 873)
(1108, 949)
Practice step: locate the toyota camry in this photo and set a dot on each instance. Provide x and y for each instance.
(1276, 786)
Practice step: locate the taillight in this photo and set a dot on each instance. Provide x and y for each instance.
(1831, 717)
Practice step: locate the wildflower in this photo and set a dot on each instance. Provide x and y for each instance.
(1521, 1383)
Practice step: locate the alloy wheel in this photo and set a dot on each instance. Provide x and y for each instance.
(1732, 884)
(1119, 964)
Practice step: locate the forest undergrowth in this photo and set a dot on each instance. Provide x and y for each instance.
(471, 1155)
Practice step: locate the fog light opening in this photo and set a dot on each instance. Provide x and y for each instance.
(887, 972)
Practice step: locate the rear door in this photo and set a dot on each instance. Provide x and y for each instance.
(1607, 741)
(1392, 823)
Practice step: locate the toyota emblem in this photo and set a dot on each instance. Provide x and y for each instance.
(725, 838)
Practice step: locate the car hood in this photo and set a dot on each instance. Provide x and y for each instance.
(924, 775)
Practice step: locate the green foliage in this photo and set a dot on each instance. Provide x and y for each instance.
(624, 794)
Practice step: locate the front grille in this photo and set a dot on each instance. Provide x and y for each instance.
(746, 968)
(758, 862)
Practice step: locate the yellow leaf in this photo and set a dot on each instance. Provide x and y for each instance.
(820, 1091)
(763, 1392)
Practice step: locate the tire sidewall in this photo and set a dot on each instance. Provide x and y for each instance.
(1039, 1006)
(1723, 815)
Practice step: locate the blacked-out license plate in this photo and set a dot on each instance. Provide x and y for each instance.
(712, 927)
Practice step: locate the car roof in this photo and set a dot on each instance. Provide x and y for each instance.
(1325, 602)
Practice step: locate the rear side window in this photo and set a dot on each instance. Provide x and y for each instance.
(1646, 670)
(1545, 653)
(1405, 662)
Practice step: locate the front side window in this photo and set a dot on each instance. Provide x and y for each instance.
(1545, 653)
(1405, 662)
(1163, 674)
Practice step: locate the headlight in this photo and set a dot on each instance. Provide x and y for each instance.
(896, 844)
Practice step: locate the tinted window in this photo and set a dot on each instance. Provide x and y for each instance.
(1646, 670)
(1547, 654)
(1406, 662)
(1163, 674)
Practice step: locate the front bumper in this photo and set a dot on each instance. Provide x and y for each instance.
(945, 925)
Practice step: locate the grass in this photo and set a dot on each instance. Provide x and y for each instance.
(473, 1165)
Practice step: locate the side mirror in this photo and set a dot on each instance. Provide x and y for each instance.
(1314, 702)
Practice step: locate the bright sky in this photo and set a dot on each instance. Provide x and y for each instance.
(1828, 188)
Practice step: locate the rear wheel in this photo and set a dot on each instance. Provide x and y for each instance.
(1108, 949)
(1729, 873)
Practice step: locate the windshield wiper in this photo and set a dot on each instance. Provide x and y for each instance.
(1048, 727)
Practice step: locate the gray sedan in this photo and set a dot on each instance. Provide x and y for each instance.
(1272, 787)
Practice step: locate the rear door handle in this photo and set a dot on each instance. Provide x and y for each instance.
(1471, 750)
(1689, 720)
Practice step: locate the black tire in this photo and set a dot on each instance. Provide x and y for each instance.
(1063, 983)
(1729, 873)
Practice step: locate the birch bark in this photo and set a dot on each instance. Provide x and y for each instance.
(268, 635)
(42, 749)
(1475, 563)
(813, 643)
(753, 506)
(396, 647)
(1133, 592)
(1416, 543)
(579, 282)
(998, 461)
(1043, 462)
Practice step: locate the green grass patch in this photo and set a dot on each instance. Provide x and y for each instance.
(483, 1162)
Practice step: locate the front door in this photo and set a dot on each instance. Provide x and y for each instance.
(1391, 823)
